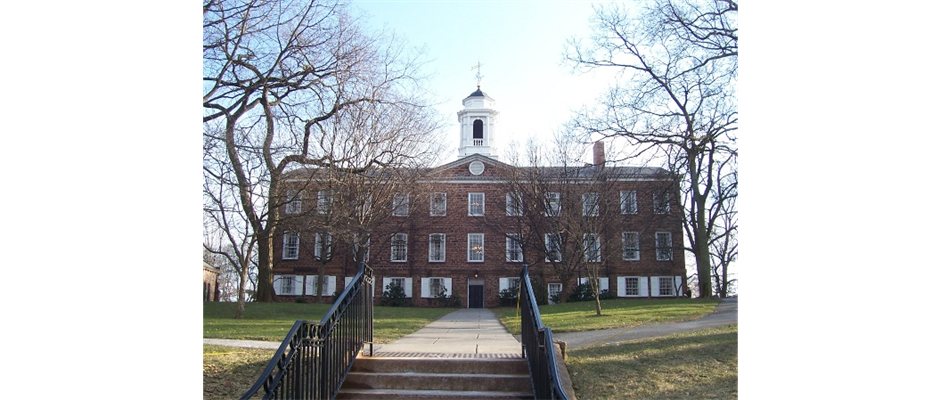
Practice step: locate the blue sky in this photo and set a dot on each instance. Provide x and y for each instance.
(520, 46)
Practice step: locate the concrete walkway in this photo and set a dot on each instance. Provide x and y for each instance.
(477, 333)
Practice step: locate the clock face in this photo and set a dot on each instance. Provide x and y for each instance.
(476, 168)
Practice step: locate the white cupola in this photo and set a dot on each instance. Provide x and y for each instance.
(478, 125)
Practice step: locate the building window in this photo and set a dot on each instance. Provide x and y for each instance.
(592, 248)
(513, 248)
(513, 204)
(666, 287)
(631, 246)
(478, 130)
(628, 201)
(432, 287)
(293, 202)
(661, 203)
(400, 205)
(324, 246)
(663, 246)
(554, 290)
(287, 284)
(436, 245)
(475, 247)
(402, 282)
(291, 246)
(475, 204)
(552, 204)
(400, 247)
(438, 204)
(436, 286)
(589, 205)
(631, 286)
(324, 201)
(552, 247)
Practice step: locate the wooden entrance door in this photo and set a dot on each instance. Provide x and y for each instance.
(475, 297)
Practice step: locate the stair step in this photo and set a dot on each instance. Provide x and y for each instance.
(437, 378)
(436, 381)
(348, 394)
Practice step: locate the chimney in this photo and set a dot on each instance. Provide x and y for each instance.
(599, 159)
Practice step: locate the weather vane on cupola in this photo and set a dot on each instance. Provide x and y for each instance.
(479, 77)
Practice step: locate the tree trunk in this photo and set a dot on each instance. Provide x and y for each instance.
(265, 290)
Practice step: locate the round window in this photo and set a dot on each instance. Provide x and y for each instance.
(476, 168)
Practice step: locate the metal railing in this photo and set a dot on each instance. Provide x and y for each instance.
(537, 345)
(314, 358)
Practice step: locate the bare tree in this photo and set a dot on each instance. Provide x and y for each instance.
(675, 102)
(278, 75)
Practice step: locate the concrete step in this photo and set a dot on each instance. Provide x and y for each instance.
(437, 378)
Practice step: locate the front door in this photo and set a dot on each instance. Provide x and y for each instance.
(476, 296)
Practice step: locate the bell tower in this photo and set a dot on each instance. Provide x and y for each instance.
(478, 121)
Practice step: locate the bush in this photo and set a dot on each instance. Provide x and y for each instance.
(394, 296)
(508, 297)
(583, 292)
(443, 301)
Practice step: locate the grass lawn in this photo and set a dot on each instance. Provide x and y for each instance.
(656, 368)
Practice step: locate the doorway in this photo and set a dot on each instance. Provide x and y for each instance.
(475, 293)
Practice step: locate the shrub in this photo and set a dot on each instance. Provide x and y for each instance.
(394, 296)
(508, 297)
(444, 301)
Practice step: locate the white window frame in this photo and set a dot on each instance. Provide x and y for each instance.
(674, 283)
(327, 288)
(513, 204)
(426, 292)
(635, 248)
(511, 282)
(438, 204)
(294, 202)
(400, 204)
(324, 201)
(661, 203)
(400, 240)
(318, 241)
(552, 204)
(552, 292)
(475, 254)
(603, 283)
(549, 248)
(589, 250)
(291, 248)
(476, 208)
(442, 247)
(642, 286)
(590, 204)
(288, 285)
(664, 253)
(628, 202)
(513, 246)
(407, 284)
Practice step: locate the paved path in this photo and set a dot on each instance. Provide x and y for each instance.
(477, 333)
(725, 314)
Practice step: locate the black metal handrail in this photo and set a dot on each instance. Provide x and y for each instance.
(314, 358)
(537, 345)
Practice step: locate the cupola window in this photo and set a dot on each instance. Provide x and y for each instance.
(478, 132)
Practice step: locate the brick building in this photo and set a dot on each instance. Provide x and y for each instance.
(470, 225)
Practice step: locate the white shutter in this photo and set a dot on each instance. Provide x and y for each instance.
(678, 283)
(644, 287)
(621, 286)
(425, 287)
(408, 285)
(347, 281)
(604, 284)
(655, 282)
(503, 284)
(385, 282)
(277, 285)
(447, 284)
